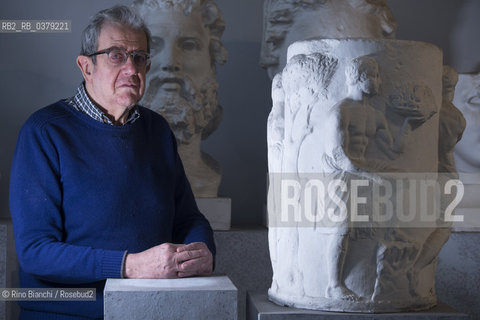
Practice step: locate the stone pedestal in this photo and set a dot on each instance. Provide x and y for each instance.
(242, 255)
(259, 307)
(189, 298)
(218, 211)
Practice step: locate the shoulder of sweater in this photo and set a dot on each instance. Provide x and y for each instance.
(49, 114)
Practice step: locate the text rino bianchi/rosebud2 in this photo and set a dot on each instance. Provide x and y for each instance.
(48, 294)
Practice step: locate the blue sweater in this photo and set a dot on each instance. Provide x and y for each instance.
(83, 192)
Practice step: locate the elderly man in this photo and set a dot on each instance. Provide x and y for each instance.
(186, 47)
(97, 187)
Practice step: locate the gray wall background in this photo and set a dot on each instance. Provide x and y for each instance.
(38, 69)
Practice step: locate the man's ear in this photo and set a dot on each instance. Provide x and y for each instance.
(86, 66)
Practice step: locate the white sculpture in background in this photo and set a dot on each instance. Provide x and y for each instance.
(467, 99)
(345, 111)
(287, 21)
(185, 48)
(467, 152)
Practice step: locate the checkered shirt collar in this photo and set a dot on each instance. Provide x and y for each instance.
(82, 102)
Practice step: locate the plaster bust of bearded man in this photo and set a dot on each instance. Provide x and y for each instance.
(287, 21)
(181, 82)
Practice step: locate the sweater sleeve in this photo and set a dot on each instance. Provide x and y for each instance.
(37, 215)
(190, 225)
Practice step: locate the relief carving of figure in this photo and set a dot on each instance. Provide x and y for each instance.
(360, 122)
(296, 92)
(305, 81)
(451, 123)
(451, 127)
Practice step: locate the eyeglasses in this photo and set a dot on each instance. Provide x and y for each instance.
(118, 56)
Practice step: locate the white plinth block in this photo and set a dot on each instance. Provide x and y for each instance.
(189, 298)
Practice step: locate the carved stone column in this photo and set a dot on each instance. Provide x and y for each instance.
(353, 142)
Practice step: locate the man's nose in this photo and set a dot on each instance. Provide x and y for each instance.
(129, 67)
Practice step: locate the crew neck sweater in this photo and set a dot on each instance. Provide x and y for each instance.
(82, 193)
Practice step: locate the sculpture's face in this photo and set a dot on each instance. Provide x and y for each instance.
(370, 80)
(181, 72)
(180, 45)
(334, 19)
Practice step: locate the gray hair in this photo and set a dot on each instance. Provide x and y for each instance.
(118, 14)
(211, 17)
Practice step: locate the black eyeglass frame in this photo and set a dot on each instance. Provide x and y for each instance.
(127, 54)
